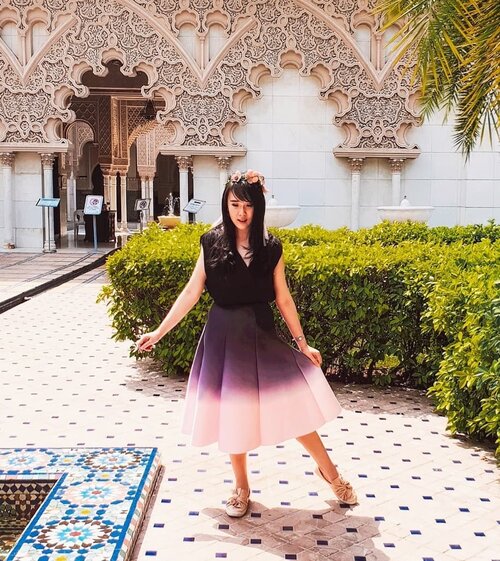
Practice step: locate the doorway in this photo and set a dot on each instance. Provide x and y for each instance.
(166, 182)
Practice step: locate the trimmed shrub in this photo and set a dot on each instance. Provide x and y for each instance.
(393, 304)
(466, 310)
(146, 277)
(393, 233)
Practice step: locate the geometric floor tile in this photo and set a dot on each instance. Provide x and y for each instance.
(423, 494)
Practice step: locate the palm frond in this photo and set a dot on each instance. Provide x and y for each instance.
(457, 62)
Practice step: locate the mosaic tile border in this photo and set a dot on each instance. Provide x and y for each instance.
(93, 512)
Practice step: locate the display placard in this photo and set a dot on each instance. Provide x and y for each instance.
(93, 204)
(48, 201)
(194, 206)
(142, 204)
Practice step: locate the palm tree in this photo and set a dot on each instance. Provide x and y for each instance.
(457, 46)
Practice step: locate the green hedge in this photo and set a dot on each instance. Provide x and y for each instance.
(397, 303)
(466, 309)
(393, 233)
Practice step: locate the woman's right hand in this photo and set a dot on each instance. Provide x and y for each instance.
(147, 341)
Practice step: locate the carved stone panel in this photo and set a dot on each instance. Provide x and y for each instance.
(203, 93)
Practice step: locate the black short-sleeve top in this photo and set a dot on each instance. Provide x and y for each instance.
(243, 284)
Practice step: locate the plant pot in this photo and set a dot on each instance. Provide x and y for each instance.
(169, 221)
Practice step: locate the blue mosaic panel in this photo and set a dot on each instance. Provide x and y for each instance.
(93, 511)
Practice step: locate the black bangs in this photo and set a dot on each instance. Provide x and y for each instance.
(243, 191)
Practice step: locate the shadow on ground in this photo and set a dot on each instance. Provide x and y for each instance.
(298, 534)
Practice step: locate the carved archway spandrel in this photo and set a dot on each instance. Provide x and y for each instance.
(204, 98)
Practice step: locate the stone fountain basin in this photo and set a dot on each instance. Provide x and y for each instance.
(403, 213)
(169, 221)
(278, 216)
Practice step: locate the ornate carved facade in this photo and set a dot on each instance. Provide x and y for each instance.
(47, 46)
(308, 91)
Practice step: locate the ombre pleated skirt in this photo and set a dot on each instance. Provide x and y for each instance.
(249, 388)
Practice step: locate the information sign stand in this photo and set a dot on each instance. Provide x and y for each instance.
(93, 206)
(193, 206)
(141, 205)
(48, 202)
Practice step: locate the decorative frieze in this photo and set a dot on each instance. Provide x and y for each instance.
(204, 100)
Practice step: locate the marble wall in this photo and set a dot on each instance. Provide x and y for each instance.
(27, 189)
(289, 137)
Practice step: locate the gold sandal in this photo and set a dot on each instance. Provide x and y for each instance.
(343, 489)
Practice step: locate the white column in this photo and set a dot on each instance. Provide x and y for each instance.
(71, 195)
(107, 189)
(123, 202)
(356, 165)
(144, 193)
(224, 162)
(396, 167)
(147, 185)
(48, 192)
(7, 162)
(149, 191)
(113, 199)
(144, 215)
(113, 203)
(184, 163)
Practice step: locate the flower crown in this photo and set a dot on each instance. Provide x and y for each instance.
(250, 176)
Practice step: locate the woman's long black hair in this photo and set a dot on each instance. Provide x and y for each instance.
(223, 253)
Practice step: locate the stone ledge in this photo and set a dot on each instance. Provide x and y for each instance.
(404, 153)
(40, 147)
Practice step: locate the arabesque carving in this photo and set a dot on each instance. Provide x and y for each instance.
(79, 133)
(149, 143)
(203, 100)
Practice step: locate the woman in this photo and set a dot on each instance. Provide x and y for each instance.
(247, 387)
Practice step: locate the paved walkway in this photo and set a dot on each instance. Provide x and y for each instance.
(22, 274)
(424, 495)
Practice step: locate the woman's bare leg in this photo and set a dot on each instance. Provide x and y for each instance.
(239, 463)
(314, 445)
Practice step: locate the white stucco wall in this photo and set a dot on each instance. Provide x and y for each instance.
(461, 192)
(290, 138)
(206, 187)
(27, 189)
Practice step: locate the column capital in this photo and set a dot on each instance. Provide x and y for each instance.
(7, 159)
(184, 162)
(356, 164)
(47, 160)
(396, 164)
(146, 172)
(107, 170)
(223, 161)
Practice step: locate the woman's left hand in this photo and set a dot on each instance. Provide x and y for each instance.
(313, 355)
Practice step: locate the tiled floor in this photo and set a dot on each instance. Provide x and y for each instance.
(21, 272)
(423, 494)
